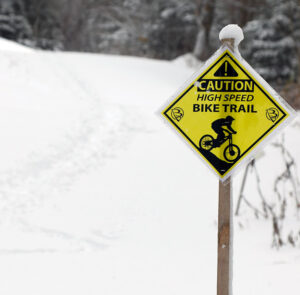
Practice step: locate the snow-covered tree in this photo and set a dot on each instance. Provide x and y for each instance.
(42, 16)
(213, 15)
(173, 31)
(159, 29)
(270, 44)
(13, 22)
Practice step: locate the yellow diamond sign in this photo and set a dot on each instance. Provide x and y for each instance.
(225, 112)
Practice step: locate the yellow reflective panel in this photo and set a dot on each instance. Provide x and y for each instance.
(224, 113)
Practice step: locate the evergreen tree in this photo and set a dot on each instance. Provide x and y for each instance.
(270, 44)
(173, 31)
(42, 16)
(13, 23)
(159, 29)
(213, 15)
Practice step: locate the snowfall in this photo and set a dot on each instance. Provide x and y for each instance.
(99, 196)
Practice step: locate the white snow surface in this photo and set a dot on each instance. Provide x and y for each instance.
(232, 31)
(97, 196)
(7, 45)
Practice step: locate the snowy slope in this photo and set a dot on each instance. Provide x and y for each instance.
(7, 45)
(99, 197)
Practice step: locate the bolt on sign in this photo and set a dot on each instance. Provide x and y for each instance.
(226, 111)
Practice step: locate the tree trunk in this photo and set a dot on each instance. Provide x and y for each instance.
(205, 10)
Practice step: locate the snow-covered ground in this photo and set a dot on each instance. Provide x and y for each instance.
(97, 196)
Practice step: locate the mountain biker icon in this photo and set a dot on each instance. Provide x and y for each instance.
(219, 127)
(207, 142)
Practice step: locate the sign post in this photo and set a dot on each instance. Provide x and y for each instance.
(225, 230)
(225, 112)
(224, 273)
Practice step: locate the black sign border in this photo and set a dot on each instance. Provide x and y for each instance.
(181, 96)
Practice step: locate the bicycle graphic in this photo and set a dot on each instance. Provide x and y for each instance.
(231, 152)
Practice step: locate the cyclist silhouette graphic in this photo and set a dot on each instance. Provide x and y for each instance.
(218, 127)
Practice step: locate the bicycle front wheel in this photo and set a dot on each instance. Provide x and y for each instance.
(231, 153)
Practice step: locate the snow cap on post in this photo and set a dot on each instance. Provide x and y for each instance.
(231, 35)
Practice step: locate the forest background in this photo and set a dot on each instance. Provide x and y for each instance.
(164, 30)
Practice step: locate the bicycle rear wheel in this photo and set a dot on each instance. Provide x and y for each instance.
(206, 142)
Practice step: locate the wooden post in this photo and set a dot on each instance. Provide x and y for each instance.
(225, 216)
(224, 239)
